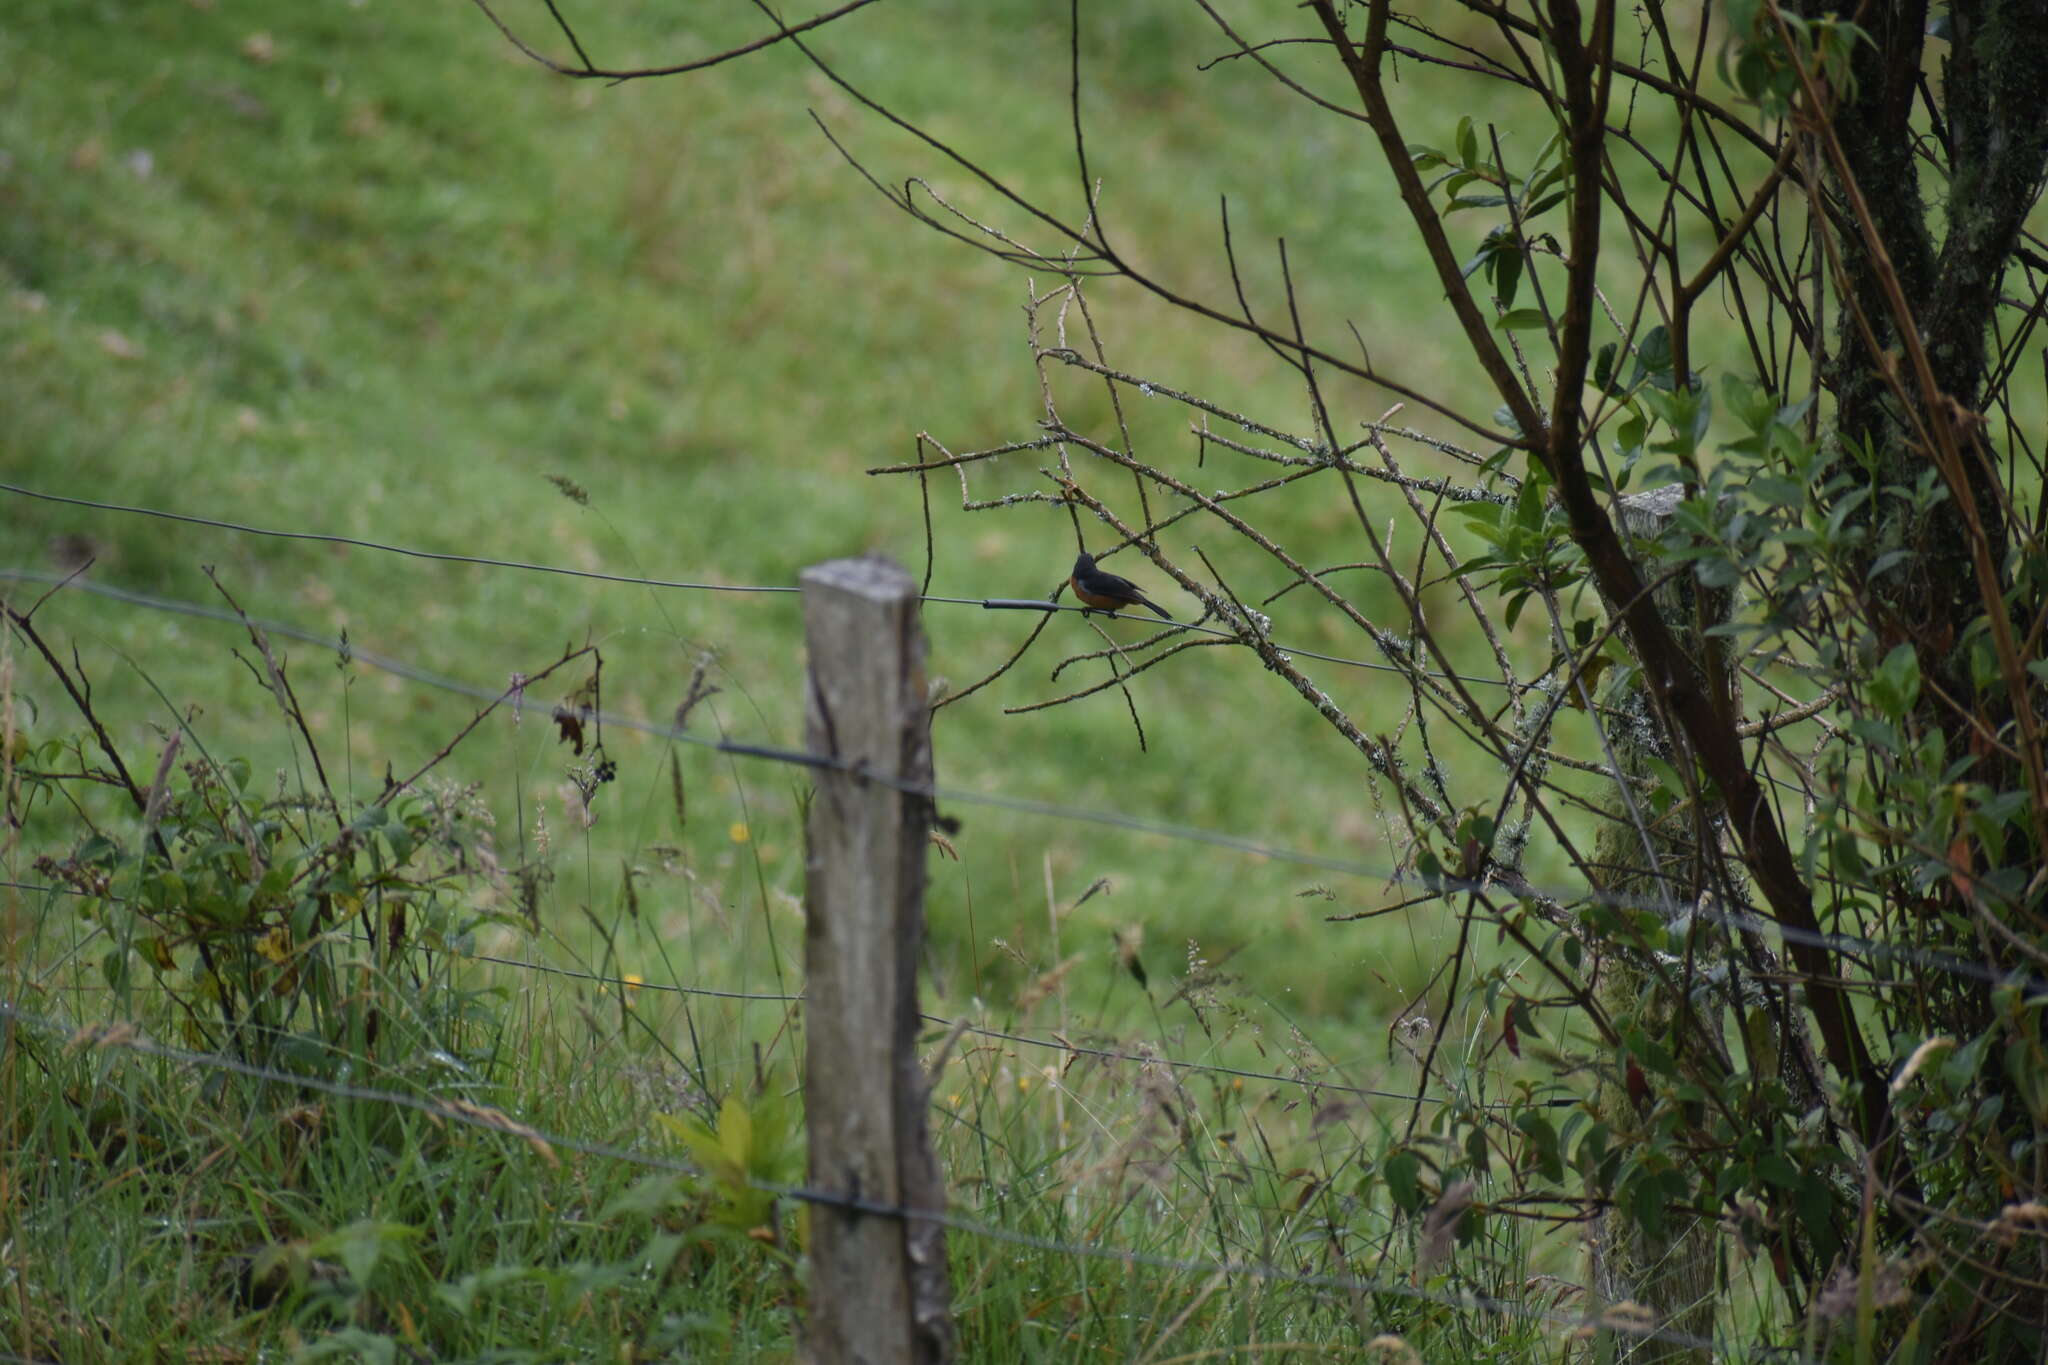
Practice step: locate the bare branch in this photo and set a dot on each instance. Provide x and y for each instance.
(587, 71)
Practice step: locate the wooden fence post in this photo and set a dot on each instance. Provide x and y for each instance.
(879, 1289)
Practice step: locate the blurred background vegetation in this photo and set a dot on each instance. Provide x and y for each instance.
(359, 269)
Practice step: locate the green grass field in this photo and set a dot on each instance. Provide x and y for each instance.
(361, 271)
(387, 282)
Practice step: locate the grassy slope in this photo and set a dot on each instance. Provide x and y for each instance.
(380, 279)
(385, 282)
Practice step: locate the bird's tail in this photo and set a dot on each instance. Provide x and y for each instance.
(1148, 602)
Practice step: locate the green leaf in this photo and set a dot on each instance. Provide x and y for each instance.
(1521, 320)
(1485, 517)
(1476, 1150)
(1630, 435)
(1777, 492)
(1654, 1056)
(1647, 1204)
(645, 1197)
(702, 1145)
(1543, 1145)
(461, 1294)
(1717, 572)
(1401, 1170)
(1844, 509)
(1895, 686)
(1816, 1214)
(1775, 1169)
(1653, 353)
(736, 1131)
(1687, 412)
(1530, 509)
(1760, 1035)
(1603, 368)
(1962, 1064)
(1984, 667)
(361, 1245)
(1488, 250)
(2023, 1068)
(1748, 401)
(1792, 414)
(1506, 268)
(1430, 868)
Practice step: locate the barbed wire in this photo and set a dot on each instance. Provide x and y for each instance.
(1444, 884)
(23, 574)
(602, 576)
(773, 753)
(1212, 1068)
(1634, 1320)
(410, 552)
(624, 984)
(1216, 838)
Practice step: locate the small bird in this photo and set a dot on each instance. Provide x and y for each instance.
(1105, 591)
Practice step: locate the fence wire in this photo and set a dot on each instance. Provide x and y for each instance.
(635, 580)
(623, 984)
(1393, 877)
(1623, 1318)
(1630, 1319)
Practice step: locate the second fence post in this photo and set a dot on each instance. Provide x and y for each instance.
(879, 1288)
